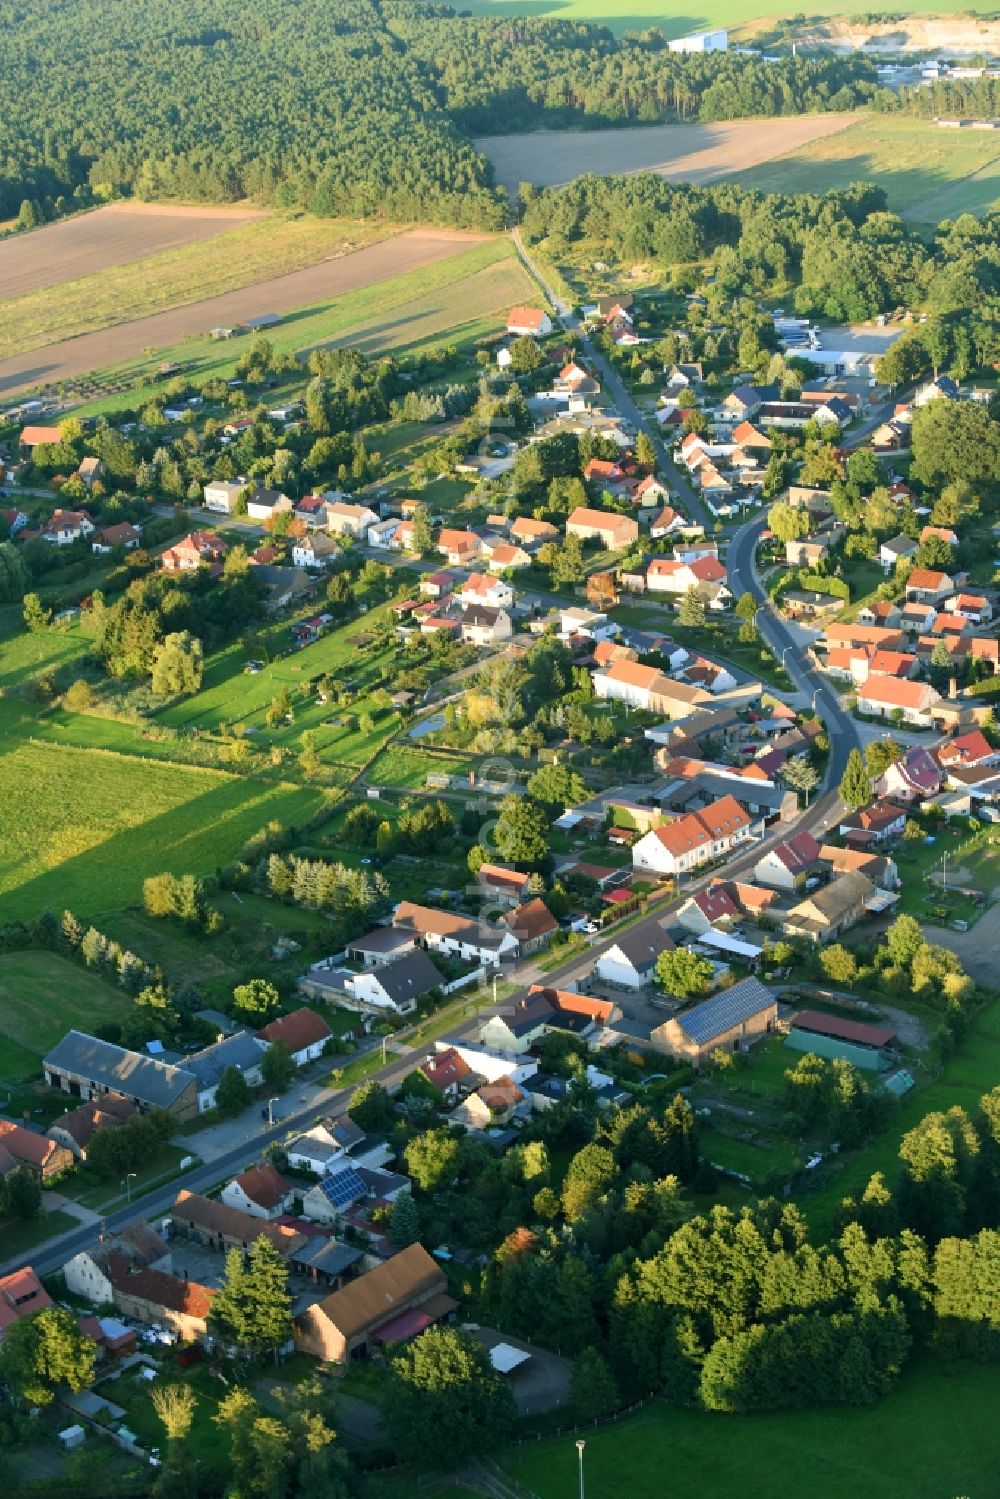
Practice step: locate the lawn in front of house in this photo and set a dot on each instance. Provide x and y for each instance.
(966, 862)
(207, 1441)
(19, 1238)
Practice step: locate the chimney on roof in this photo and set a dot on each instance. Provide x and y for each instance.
(952, 688)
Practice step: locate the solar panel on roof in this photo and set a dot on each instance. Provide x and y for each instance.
(343, 1188)
(725, 1010)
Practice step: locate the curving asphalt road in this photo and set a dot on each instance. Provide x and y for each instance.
(744, 578)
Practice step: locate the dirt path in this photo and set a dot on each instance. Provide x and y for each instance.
(281, 294)
(694, 153)
(978, 950)
(115, 235)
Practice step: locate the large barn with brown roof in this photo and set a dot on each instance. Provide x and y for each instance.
(390, 1304)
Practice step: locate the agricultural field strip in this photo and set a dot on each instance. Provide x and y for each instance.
(699, 153)
(387, 264)
(742, 16)
(91, 243)
(488, 274)
(42, 995)
(139, 817)
(242, 256)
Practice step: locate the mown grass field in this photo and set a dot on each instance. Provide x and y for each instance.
(637, 15)
(927, 173)
(42, 995)
(463, 296)
(82, 830)
(254, 252)
(932, 1438)
(407, 765)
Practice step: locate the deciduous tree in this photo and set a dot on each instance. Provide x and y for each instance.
(444, 1383)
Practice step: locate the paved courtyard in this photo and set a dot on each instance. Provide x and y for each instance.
(542, 1384)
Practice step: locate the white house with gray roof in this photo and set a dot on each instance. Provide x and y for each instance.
(394, 988)
(241, 1051)
(631, 961)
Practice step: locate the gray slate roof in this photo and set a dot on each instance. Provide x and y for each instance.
(722, 1011)
(642, 945)
(326, 1256)
(408, 977)
(156, 1083)
(242, 1051)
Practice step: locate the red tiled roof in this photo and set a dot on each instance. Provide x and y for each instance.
(896, 692)
(574, 1004)
(23, 1145)
(716, 903)
(265, 1185)
(446, 1069)
(21, 1295)
(797, 853)
(185, 1297)
(723, 817)
(927, 577)
(965, 749)
(843, 1030)
(526, 317)
(532, 920)
(298, 1030)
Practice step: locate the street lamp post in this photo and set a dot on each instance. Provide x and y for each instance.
(270, 1108)
(129, 1178)
(579, 1452)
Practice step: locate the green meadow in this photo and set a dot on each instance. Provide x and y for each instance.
(82, 829)
(928, 173)
(934, 1437)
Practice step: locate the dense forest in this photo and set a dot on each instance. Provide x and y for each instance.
(344, 106)
(841, 254)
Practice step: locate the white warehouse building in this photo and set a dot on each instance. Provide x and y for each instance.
(701, 41)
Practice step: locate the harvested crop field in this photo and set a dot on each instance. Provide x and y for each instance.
(266, 247)
(115, 235)
(323, 283)
(693, 153)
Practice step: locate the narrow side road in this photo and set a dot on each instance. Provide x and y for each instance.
(623, 402)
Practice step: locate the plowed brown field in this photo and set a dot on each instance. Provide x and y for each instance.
(115, 235)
